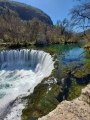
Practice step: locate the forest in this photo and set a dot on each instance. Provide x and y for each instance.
(13, 30)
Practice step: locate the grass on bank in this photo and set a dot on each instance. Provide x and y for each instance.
(81, 72)
(74, 90)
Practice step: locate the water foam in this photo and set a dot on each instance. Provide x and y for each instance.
(20, 72)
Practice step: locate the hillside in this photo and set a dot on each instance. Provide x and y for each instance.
(25, 12)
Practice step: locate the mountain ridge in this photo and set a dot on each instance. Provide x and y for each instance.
(29, 12)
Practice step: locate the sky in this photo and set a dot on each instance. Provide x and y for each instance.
(56, 9)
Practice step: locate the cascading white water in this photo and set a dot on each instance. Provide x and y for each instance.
(20, 72)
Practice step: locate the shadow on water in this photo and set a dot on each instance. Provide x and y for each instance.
(84, 80)
(69, 86)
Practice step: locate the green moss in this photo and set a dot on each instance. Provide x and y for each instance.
(42, 101)
(49, 101)
(74, 90)
(33, 100)
(30, 47)
(87, 52)
(52, 51)
(64, 73)
(81, 72)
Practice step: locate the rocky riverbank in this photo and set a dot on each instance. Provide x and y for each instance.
(77, 109)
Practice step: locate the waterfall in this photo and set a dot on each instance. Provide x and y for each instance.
(21, 71)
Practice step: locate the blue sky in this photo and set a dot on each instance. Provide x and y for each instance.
(56, 9)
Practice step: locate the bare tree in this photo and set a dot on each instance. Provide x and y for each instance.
(80, 15)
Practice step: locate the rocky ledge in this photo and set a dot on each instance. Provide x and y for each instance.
(77, 109)
(87, 46)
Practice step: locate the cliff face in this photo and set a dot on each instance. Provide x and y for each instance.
(25, 12)
(77, 109)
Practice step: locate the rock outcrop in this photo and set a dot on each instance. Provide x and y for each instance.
(77, 109)
(25, 12)
(85, 95)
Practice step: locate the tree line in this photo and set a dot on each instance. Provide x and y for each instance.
(16, 31)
